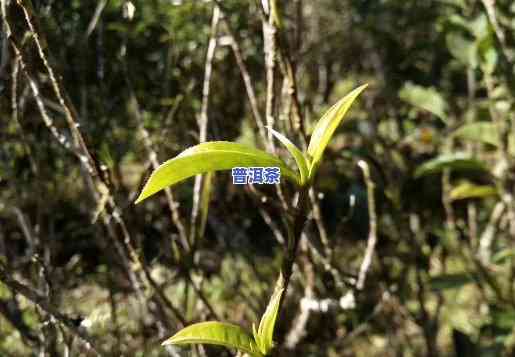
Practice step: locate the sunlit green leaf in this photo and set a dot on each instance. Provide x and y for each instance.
(276, 15)
(326, 127)
(503, 318)
(425, 98)
(466, 190)
(488, 55)
(450, 281)
(502, 255)
(463, 49)
(301, 161)
(459, 22)
(484, 132)
(267, 325)
(208, 157)
(480, 26)
(216, 333)
(458, 3)
(457, 162)
(256, 335)
(5, 293)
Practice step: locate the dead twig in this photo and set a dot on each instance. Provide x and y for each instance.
(372, 234)
(43, 304)
(203, 120)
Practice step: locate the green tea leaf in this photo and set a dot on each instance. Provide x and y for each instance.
(480, 26)
(326, 127)
(457, 3)
(425, 98)
(488, 56)
(450, 281)
(463, 49)
(484, 132)
(256, 335)
(301, 161)
(216, 333)
(208, 157)
(458, 162)
(265, 331)
(503, 318)
(467, 190)
(503, 255)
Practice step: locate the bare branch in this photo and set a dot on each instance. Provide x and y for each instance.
(96, 16)
(372, 234)
(203, 120)
(269, 36)
(41, 302)
(249, 87)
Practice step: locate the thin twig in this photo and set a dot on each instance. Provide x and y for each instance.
(372, 234)
(499, 32)
(5, 54)
(363, 326)
(49, 122)
(41, 302)
(317, 216)
(203, 120)
(79, 142)
(99, 190)
(247, 80)
(173, 205)
(28, 232)
(202, 297)
(96, 16)
(269, 36)
(298, 330)
(486, 240)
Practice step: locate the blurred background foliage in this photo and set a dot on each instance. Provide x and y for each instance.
(435, 125)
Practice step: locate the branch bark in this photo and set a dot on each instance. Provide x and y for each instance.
(41, 302)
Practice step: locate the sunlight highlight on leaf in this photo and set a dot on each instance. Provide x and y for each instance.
(326, 127)
(216, 333)
(301, 161)
(267, 325)
(209, 157)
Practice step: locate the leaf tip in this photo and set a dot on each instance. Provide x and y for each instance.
(142, 196)
(139, 199)
(167, 342)
(361, 88)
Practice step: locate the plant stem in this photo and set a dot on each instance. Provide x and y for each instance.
(295, 225)
(6, 277)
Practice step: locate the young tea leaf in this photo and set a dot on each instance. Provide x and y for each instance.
(425, 98)
(484, 132)
(216, 333)
(503, 318)
(450, 281)
(326, 127)
(301, 161)
(265, 331)
(458, 162)
(466, 190)
(208, 157)
(256, 335)
(463, 49)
